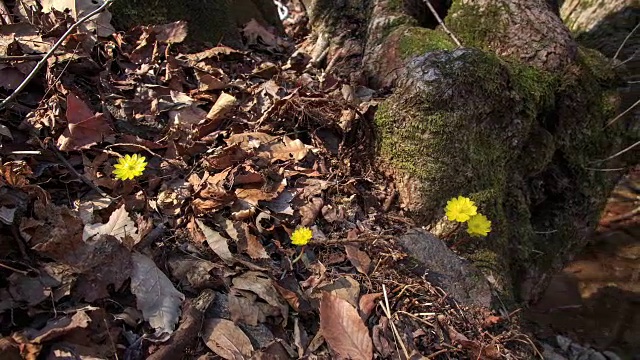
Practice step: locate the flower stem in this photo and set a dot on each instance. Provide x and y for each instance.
(299, 256)
(461, 241)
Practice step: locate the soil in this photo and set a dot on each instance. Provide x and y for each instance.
(596, 299)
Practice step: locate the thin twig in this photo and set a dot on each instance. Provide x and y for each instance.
(444, 27)
(134, 145)
(606, 170)
(361, 238)
(618, 153)
(77, 174)
(623, 113)
(14, 269)
(624, 42)
(41, 63)
(8, 58)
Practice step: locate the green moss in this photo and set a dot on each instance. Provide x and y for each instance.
(474, 24)
(538, 86)
(417, 41)
(394, 24)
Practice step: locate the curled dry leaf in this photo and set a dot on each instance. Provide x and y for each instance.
(217, 243)
(343, 328)
(367, 303)
(155, 295)
(119, 226)
(226, 339)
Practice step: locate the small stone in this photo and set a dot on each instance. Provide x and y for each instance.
(444, 268)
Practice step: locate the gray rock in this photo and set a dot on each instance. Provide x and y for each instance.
(461, 280)
(550, 354)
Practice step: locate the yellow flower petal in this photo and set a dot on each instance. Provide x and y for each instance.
(301, 236)
(129, 167)
(460, 209)
(478, 225)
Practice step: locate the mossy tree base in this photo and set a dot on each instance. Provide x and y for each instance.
(513, 120)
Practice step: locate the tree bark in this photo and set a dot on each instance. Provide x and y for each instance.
(514, 120)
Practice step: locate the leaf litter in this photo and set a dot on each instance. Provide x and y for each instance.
(243, 147)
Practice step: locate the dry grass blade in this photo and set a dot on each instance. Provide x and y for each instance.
(387, 311)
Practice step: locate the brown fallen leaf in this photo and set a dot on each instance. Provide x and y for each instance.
(343, 329)
(84, 127)
(247, 310)
(119, 226)
(226, 339)
(156, 296)
(223, 105)
(286, 150)
(171, 33)
(367, 303)
(58, 327)
(358, 258)
(262, 285)
(310, 211)
(217, 243)
(344, 287)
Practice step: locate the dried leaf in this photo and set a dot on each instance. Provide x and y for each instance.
(226, 339)
(254, 31)
(171, 33)
(310, 211)
(58, 327)
(192, 272)
(217, 243)
(345, 288)
(247, 310)
(155, 295)
(85, 128)
(286, 150)
(249, 243)
(262, 286)
(343, 328)
(367, 304)
(119, 226)
(100, 23)
(358, 258)
(31, 290)
(223, 105)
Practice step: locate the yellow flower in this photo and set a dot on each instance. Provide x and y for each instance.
(460, 209)
(478, 225)
(301, 236)
(129, 167)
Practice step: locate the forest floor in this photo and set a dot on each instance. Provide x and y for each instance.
(193, 259)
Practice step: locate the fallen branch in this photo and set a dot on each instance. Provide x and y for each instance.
(42, 61)
(187, 333)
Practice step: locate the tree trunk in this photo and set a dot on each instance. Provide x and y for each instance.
(515, 119)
